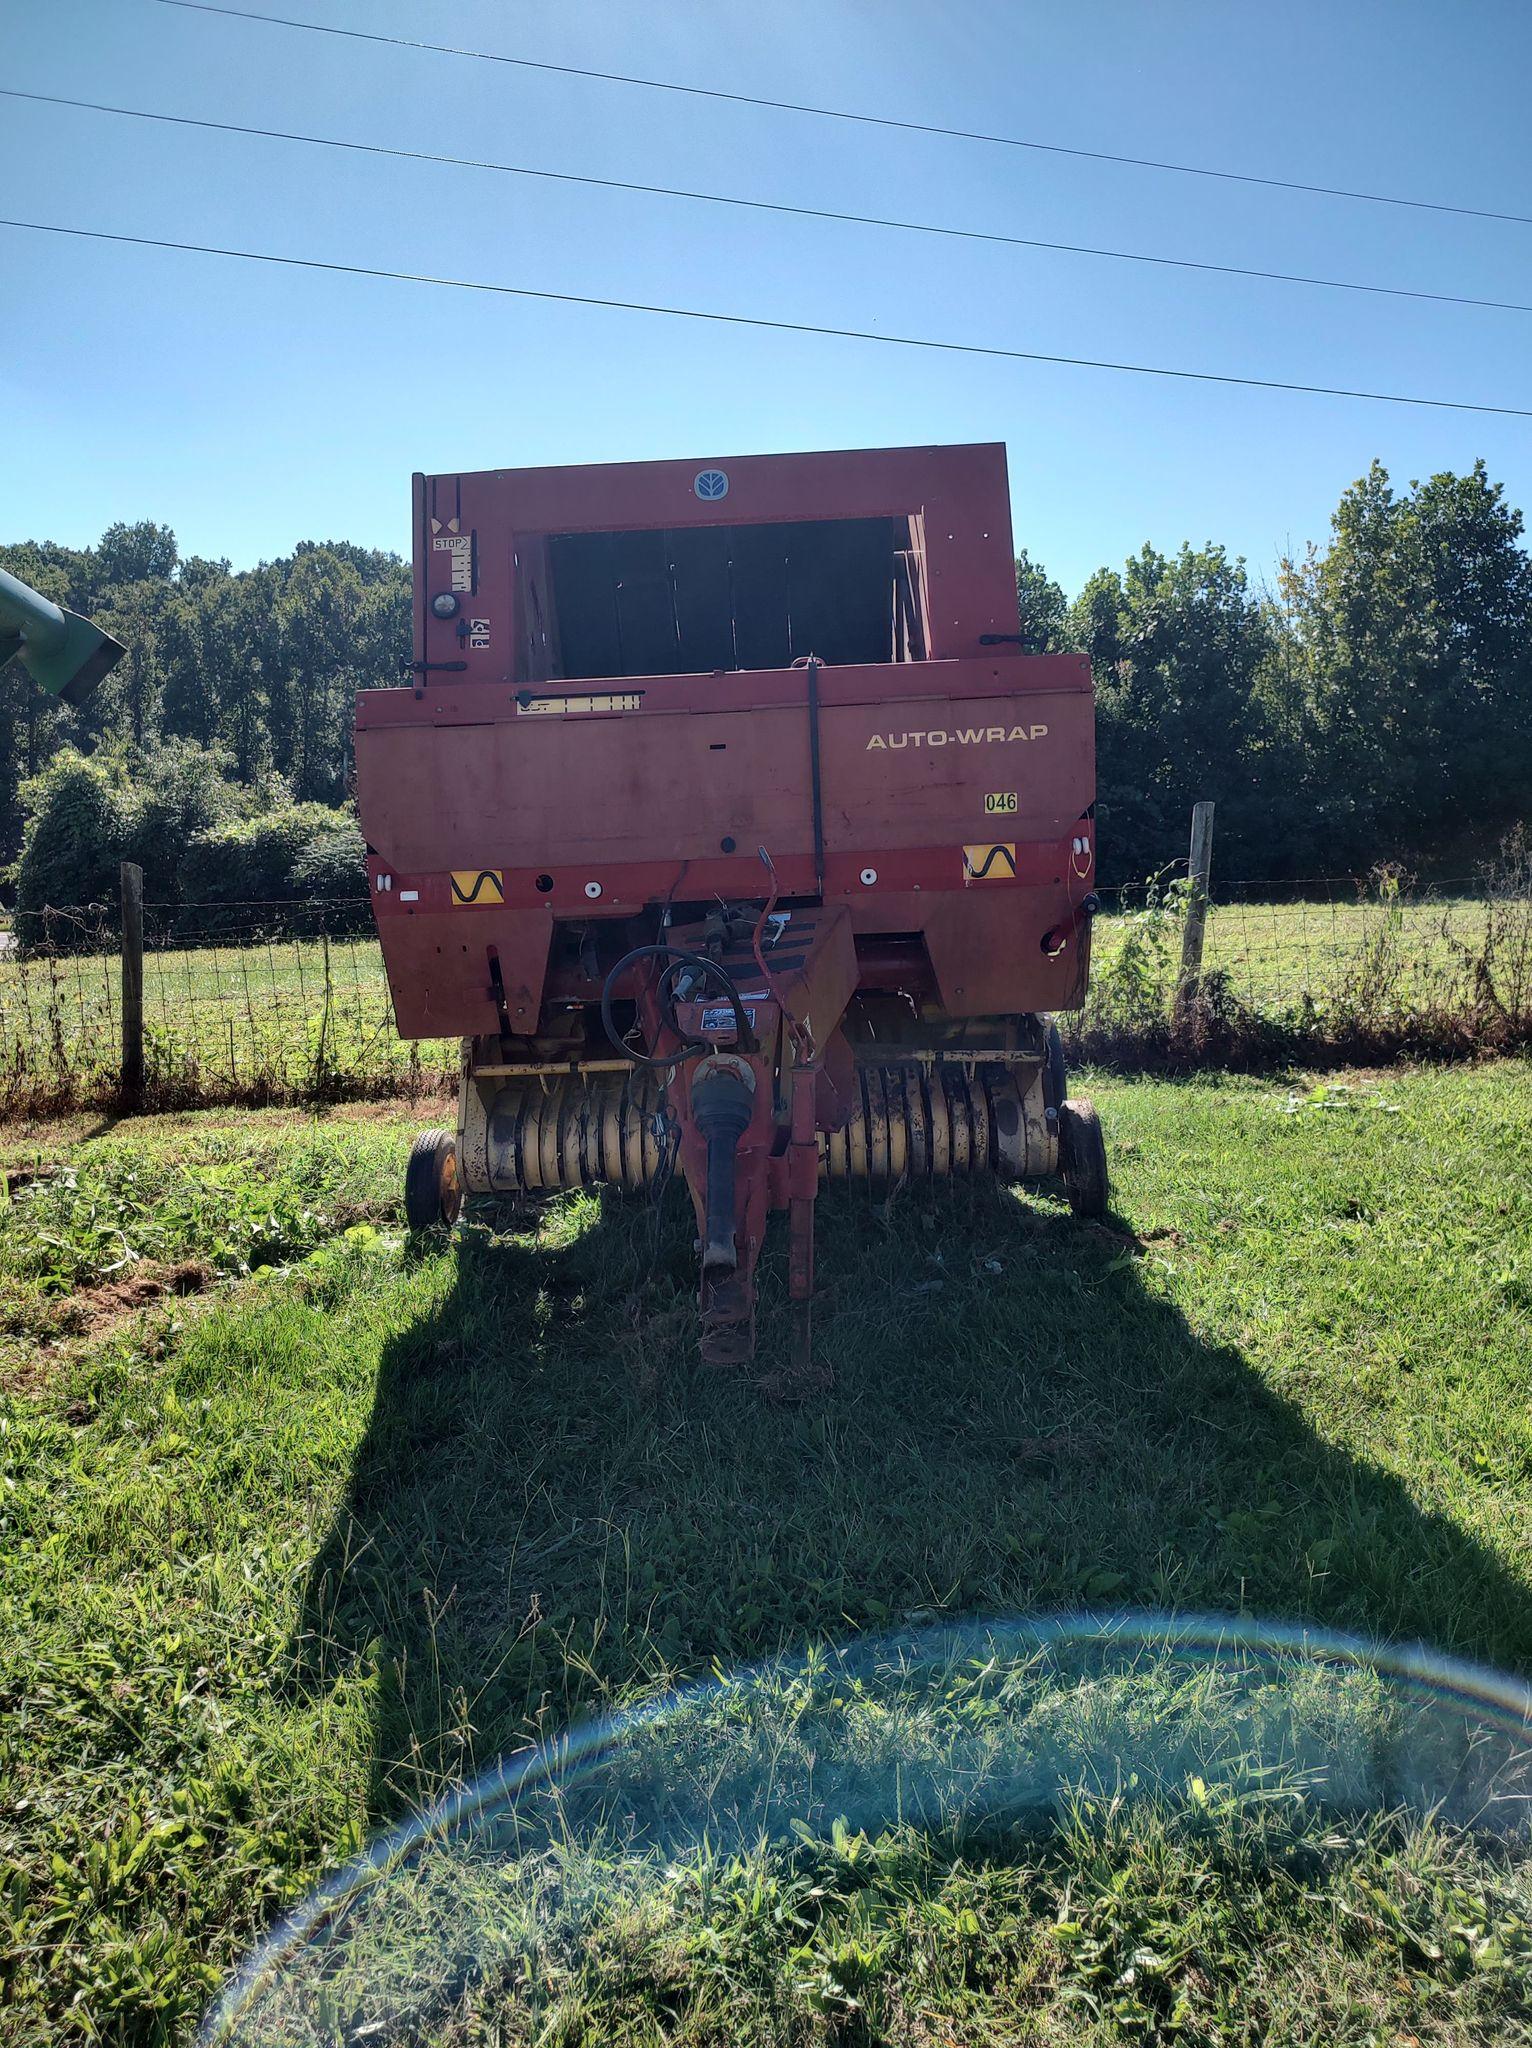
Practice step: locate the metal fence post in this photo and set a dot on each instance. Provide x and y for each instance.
(1199, 866)
(132, 984)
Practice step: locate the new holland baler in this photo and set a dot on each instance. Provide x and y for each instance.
(727, 824)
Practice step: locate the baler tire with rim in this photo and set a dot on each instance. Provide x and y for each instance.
(1082, 1158)
(433, 1192)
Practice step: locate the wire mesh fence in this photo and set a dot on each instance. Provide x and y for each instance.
(290, 1002)
(247, 1002)
(1324, 964)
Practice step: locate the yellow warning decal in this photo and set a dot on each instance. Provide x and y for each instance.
(989, 863)
(476, 887)
(999, 800)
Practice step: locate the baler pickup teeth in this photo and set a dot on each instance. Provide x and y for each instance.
(907, 1124)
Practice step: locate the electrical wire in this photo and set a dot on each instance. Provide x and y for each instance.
(759, 321)
(745, 99)
(865, 220)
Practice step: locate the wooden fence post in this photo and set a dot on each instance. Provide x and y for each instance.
(132, 984)
(1199, 866)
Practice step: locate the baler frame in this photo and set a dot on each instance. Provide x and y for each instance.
(789, 893)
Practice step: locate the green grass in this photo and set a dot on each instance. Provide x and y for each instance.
(308, 1556)
(1000, 1833)
(290, 1019)
(211, 1203)
(1275, 954)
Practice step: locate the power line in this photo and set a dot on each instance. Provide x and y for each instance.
(866, 220)
(744, 99)
(962, 348)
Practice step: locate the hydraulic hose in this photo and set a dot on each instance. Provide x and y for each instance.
(689, 1048)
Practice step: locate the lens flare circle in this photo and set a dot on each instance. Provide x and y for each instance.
(990, 1723)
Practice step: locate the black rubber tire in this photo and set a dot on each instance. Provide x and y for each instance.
(1082, 1158)
(433, 1191)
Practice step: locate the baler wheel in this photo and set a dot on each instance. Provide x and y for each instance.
(1082, 1157)
(433, 1192)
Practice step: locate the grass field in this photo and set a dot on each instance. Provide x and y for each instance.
(302, 1528)
(283, 1018)
(281, 1015)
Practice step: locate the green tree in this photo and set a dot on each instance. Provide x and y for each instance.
(142, 553)
(129, 702)
(1044, 608)
(321, 610)
(1414, 636)
(1178, 646)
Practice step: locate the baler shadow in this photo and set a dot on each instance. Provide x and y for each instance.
(555, 1502)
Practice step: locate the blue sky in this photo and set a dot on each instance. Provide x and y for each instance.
(251, 407)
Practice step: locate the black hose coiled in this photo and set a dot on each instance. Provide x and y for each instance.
(678, 958)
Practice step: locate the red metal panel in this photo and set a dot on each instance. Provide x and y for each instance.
(588, 800)
(439, 972)
(985, 948)
(451, 701)
(872, 876)
(960, 495)
(660, 782)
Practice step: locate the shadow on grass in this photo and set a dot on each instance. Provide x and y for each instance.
(556, 1505)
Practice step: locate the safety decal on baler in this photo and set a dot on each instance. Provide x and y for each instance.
(460, 547)
(992, 862)
(592, 700)
(474, 888)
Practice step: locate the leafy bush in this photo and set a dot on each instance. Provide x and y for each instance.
(200, 837)
(301, 853)
(87, 813)
(78, 816)
(252, 859)
(1132, 990)
(176, 791)
(334, 863)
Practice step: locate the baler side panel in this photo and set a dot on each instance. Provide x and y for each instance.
(441, 784)
(441, 976)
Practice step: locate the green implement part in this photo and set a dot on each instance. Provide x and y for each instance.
(66, 654)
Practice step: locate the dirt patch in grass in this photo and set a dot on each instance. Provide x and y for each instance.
(89, 1314)
(103, 1219)
(93, 1310)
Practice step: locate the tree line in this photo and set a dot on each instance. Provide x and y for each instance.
(1371, 701)
(261, 663)
(218, 753)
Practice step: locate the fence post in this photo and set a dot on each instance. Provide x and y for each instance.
(132, 984)
(1199, 866)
